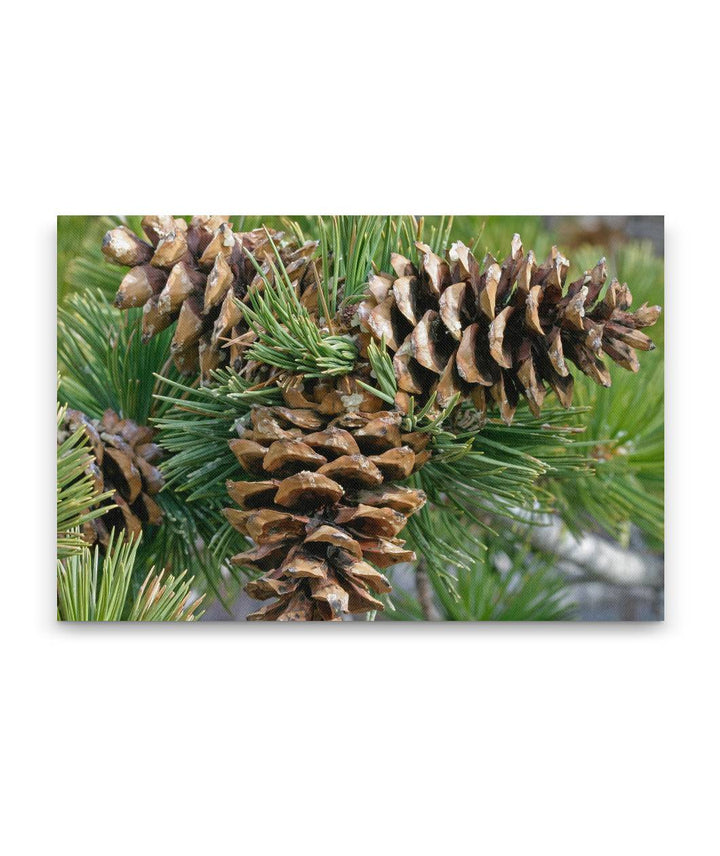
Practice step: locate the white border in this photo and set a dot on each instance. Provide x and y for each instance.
(531, 739)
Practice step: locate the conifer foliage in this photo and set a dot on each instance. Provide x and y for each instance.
(329, 370)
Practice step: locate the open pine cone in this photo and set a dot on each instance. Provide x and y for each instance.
(193, 274)
(322, 505)
(124, 457)
(504, 330)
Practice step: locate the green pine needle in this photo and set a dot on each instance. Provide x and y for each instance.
(526, 589)
(104, 362)
(75, 491)
(289, 338)
(89, 590)
(382, 368)
(476, 478)
(196, 428)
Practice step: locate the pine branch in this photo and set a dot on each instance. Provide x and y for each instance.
(197, 426)
(625, 437)
(500, 467)
(624, 429)
(478, 477)
(91, 590)
(349, 248)
(505, 582)
(109, 367)
(353, 244)
(289, 338)
(195, 535)
(196, 429)
(85, 594)
(163, 597)
(104, 361)
(624, 432)
(382, 369)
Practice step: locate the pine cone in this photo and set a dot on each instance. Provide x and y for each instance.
(192, 275)
(506, 329)
(124, 455)
(324, 510)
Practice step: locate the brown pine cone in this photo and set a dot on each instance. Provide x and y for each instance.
(124, 457)
(192, 275)
(505, 330)
(324, 509)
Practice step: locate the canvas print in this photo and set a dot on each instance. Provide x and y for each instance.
(359, 418)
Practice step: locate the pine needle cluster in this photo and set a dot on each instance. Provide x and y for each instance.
(599, 464)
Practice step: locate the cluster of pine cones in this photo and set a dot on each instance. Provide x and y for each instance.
(320, 489)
